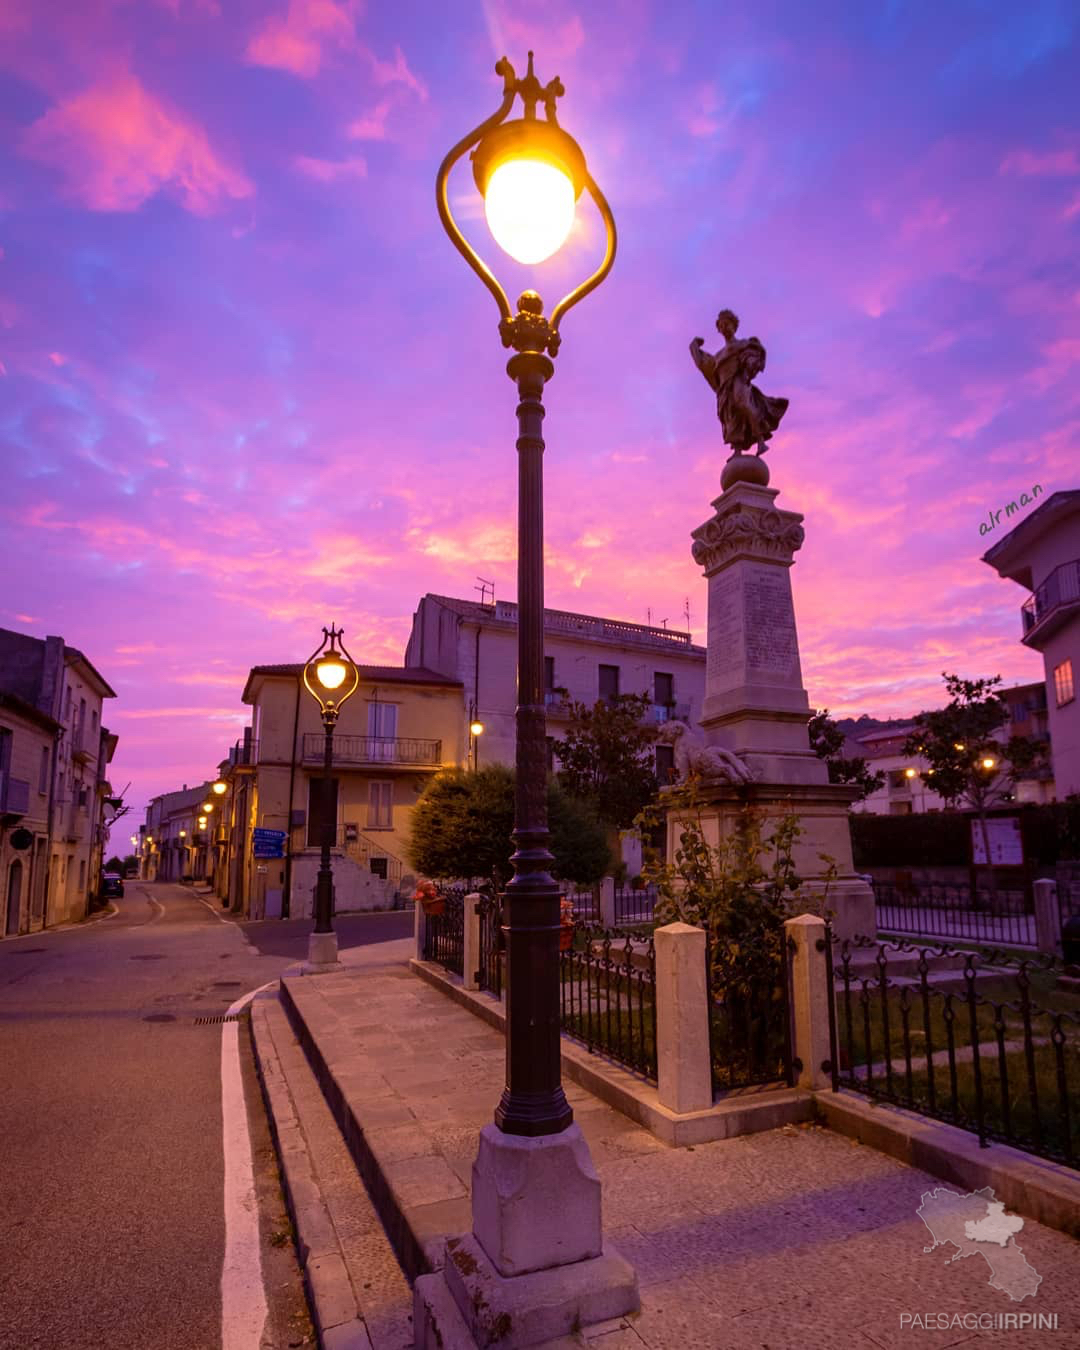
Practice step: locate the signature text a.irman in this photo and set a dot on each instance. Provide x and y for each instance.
(1010, 509)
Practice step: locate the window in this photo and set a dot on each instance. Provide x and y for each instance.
(1063, 683)
(322, 807)
(43, 770)
(380, 812)
(551, 754)
(382, 729)
(665, 764)
(549, 672)
(609, 683)
(93, 719)
(663, 688)
(82, 874)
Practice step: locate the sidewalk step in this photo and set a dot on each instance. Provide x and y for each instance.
(359, 1296)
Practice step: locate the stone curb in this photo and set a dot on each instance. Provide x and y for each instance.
(334, 1311)
(745, 1113)
(1035, 1187)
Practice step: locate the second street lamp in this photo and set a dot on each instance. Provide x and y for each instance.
(330, 677)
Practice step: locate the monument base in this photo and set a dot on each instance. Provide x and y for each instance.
(322, 954)
(822, 809)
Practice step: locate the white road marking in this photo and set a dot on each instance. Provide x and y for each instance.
(161, 910)
(214, 912)
(243, 1299)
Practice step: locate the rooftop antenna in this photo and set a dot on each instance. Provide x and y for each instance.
(484, 588)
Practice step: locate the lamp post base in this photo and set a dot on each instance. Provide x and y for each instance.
(322, 954)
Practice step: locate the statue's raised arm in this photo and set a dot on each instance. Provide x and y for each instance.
(747, 416)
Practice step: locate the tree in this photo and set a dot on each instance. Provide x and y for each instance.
(967, 758)
(826, 741)
(462, 824)
(114, 864)
(606, 758)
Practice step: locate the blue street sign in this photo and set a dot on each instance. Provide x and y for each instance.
(268, 843)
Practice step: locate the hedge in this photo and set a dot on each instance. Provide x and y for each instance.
(1050, 833)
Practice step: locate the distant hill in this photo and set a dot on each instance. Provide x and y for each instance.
(859, 726)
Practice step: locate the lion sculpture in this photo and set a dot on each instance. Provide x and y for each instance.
(693, 756)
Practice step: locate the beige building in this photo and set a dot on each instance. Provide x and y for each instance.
(175, 845)
(401, 726)
(27, 746)
(60, 682)
(585, 658)
(1042, 554)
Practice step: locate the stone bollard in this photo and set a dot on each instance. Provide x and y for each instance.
(1047, 917)
(683, 1056)
(419, 929)
(607, 902)
(810, 994)
(471, 954)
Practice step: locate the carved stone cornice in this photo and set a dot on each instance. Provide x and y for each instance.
(746, 531)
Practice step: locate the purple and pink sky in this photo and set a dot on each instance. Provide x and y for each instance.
(247, 387)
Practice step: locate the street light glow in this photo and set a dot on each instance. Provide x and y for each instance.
(529, 205)
(331, 671)
(909, 773)
(476, 727)
(989, 762)
(957, 745)
(220, 787)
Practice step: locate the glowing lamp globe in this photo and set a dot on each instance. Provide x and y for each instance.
(989, 762)
(207, 807)
(909, 773)
(529, 206)
(476, 728)
(219, 787)
(331, 671)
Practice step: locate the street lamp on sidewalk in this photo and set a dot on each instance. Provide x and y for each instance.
(330, 677)
(530, 173)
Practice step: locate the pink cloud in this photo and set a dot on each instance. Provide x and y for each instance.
(371, 126)
(117, 145)
(330, 170)
(298, 41)
(702, 118)
(397, 72)
(1042, 164)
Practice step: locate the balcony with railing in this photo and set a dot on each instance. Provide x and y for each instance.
(244, 754)
(1058, 596)
(397, 752)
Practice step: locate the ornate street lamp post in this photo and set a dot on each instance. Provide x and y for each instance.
(330, 677)
(530, 173)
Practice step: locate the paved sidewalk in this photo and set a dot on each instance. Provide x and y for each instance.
(793, 1238)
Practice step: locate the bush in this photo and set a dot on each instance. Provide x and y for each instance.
(462, 824)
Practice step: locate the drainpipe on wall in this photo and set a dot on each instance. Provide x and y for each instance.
(286, 898)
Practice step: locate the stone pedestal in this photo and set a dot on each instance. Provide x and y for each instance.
(535, 1266)
(322, 954)
(755, 703)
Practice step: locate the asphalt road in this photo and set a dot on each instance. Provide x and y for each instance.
(111, 1169)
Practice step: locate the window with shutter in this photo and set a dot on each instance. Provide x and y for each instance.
(380, 806)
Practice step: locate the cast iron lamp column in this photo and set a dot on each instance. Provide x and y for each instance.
(530, 173)
(330, 677)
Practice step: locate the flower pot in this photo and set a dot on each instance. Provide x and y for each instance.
(434, 906)
(566, 937)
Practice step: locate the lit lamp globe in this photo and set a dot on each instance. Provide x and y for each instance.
(220, 787)
(530, 175)
(330, 671)
(989, 762)
(476, 727)
(207, 807)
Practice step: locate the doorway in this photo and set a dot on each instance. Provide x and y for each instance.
(14, 898)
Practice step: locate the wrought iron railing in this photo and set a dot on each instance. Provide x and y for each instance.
(444, 934)
(749, 1014)
(608, 983)
(1061, 587)
(956, 913)
(489, 976)
(409, 750)
(634, 906)
(1005, 1066)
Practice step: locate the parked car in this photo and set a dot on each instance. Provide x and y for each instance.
(112, 886)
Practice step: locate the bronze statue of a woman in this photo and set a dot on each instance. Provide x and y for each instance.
(747, 416)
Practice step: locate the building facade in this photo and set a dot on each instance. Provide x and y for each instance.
(59, 682)
(1042, 554)
(27, 746)
(401, 726)
(585, 659)
(176, 846)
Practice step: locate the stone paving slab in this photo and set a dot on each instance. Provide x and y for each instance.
(797, 1237)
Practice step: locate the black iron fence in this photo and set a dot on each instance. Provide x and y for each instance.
(992, 1046)
(956, 913)
(749, 1014)
(489, 976)
(634, 906)
(444, 934)
(609, 995)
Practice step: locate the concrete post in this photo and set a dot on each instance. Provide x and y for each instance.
(810, 994)
(683, 1056)
(419, 931)
(1047, 918)
(471, 959)
(607, 902)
